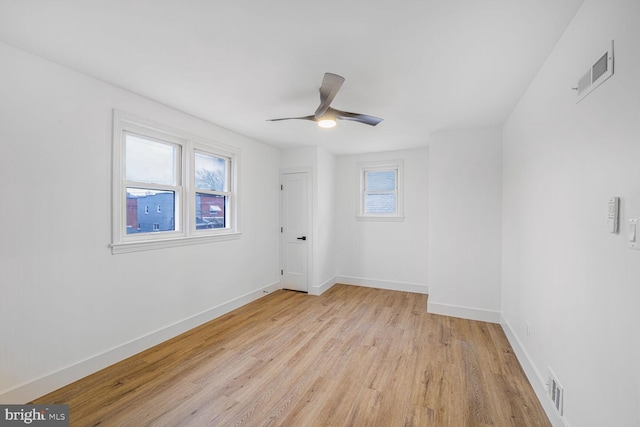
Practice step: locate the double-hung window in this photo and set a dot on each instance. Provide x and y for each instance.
(381, 192)
(151, 177)
(212, 191)
(170, 188)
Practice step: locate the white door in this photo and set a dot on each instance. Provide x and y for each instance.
(295, 231)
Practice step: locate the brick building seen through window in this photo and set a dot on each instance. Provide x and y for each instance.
(155, 211)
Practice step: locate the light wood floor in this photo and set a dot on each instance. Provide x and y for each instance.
(352, 357)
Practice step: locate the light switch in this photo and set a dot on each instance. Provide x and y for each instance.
(632, 237)
(612, 215)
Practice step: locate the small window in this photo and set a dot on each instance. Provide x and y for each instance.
(380, 191)
(156, 227)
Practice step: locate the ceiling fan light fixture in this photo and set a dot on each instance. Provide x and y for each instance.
(327, 123)
(326, 116)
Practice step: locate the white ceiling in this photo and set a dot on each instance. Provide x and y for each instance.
(422, 65)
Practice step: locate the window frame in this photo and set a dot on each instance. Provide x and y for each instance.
(230, 178)
(381, 166)
(185, 232)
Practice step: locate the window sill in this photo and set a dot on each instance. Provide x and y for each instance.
(380, 218)
(146, 245)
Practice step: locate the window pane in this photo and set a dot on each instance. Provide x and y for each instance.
(150, 211)
(380, 203)
(150, 161)
(210, 211)
(380, 180)
(210, 172)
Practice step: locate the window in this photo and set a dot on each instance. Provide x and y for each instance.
(211, 186)
(192, 183)
(380, 196)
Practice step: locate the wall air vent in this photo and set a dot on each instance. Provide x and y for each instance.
(556, 392)
(600, 71)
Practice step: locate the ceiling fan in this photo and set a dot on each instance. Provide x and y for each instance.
(326, 116)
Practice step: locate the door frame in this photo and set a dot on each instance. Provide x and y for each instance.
(310, 214)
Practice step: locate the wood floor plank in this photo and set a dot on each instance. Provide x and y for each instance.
(353, 356)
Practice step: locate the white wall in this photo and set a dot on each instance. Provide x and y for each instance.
(383, 254)
(325, 221)
(465, 193)
(301, 157)
(576, 285)
(68, 306)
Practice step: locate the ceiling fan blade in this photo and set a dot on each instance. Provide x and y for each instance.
(293, 118)
(356, 117)
(331, 84)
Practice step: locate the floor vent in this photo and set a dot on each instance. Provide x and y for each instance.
(556, 392)
(600, 71)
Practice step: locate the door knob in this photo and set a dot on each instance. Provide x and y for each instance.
(302, 238)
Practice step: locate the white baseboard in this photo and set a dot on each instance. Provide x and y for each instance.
(533, 374)
(53, 381)
(383, 284)
(480, 314)
(320, 289)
